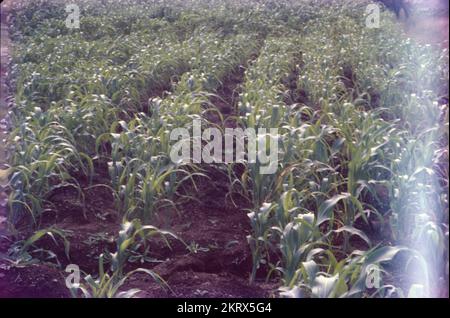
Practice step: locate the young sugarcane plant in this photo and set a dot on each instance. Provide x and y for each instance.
(108, 283)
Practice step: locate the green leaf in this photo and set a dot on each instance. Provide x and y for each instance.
(323, 286)
(325, 212)
(354, 231)
(310, 269)
(385, 254)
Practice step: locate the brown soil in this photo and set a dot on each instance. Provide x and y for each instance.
(191, 284)
(90, 228)
(33, 281)
(221, 265)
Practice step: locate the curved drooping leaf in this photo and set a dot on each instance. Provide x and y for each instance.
(325, 212)
(385, 254)
(354, 231)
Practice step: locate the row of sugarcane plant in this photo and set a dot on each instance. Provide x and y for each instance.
(103, 110)
(364, 148)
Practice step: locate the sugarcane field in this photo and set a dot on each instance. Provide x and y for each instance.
(253, 149)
